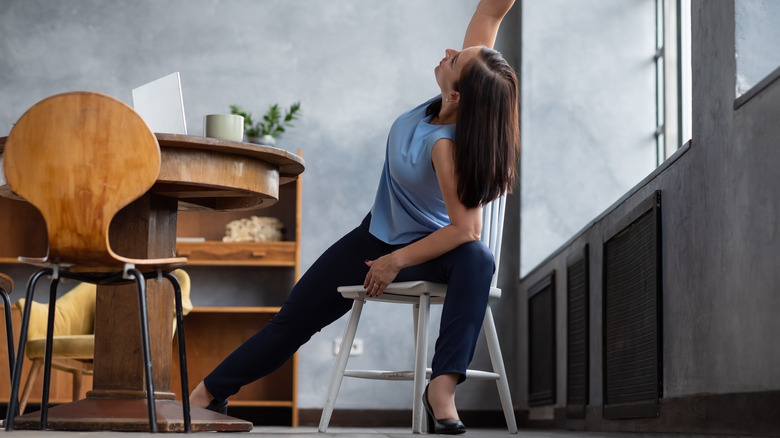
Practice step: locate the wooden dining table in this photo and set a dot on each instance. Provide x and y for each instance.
(196, 174)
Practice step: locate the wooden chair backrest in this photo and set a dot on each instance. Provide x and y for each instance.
(79, 158)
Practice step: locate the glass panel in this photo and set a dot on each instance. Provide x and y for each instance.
(756, 39)
(684, 97)
(588, 113)
(660, 144)
(659, 24)
(660, 83)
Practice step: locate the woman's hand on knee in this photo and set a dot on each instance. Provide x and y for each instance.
(381, 272)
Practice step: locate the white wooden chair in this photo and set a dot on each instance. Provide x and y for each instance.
(422, 294)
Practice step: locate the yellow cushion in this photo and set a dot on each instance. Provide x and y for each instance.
(186, 284)
(74, 313)
(73, 346)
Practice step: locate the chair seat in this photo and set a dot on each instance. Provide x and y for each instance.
(143, 265)
(408, 292)
(71, 346)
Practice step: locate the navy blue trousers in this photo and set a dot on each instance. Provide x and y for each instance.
(314, 303)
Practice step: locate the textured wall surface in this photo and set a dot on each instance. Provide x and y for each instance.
(354, 66)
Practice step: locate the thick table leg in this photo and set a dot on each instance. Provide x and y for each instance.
(118, 398)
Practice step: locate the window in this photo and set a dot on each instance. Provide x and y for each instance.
(755, 39)
(672, 76)
(588, 114)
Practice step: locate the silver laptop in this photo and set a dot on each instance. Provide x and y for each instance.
(160, 104)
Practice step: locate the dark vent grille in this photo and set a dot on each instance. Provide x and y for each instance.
(577, 334)
(541, 346)
(632, 331)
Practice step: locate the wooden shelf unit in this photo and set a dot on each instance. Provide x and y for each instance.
(210, 226)
(213, 332)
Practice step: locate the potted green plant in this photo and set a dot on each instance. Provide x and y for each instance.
(272, 125)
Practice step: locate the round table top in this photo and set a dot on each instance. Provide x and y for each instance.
(213, 174)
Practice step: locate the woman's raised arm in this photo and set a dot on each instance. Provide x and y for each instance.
(483, 27)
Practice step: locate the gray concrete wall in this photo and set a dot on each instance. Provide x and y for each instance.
(720, 209)
(354, 65)
(737, 222)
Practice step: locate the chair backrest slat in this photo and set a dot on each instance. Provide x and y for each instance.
(493, 230)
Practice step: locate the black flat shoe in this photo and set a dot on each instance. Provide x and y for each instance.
(446, 426)
(218, 407)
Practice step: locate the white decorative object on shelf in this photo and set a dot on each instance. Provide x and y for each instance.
(254, 229)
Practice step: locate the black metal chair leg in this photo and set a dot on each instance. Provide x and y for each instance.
(48, 353)
(9, 332)
(141, 282)
(13, 402)
(185, 390)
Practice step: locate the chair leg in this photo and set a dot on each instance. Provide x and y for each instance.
(13, 402)
(185, 391)
(420, 360)
(497, 359)
(341, 364)
(141, 282)
(415, 319)
(35, 369)
(48, 353)
(9, 331)
(78, 380)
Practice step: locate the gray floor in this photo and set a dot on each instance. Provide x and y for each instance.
(311, 432)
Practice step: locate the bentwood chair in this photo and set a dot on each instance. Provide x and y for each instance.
(73, 344)
(79, 158)
(6, 287)
(421, 294)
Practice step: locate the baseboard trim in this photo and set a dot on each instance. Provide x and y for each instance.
(357, 418)
(394, 418)
(749, 413)
(746, 414)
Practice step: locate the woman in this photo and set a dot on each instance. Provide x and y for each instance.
(445, 159)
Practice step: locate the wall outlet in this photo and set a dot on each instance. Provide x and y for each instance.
(357, 347)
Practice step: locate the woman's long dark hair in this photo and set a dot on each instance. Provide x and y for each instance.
(487, 135)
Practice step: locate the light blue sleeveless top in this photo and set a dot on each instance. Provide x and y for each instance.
(409, 204)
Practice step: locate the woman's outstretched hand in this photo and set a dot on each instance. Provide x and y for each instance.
(381, 272)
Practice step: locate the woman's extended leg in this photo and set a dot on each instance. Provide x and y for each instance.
(312, 304)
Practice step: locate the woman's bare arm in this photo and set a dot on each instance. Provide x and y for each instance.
(483, 27)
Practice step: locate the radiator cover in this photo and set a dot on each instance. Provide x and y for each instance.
(541, 344)
(632, 314)
(577, 333)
